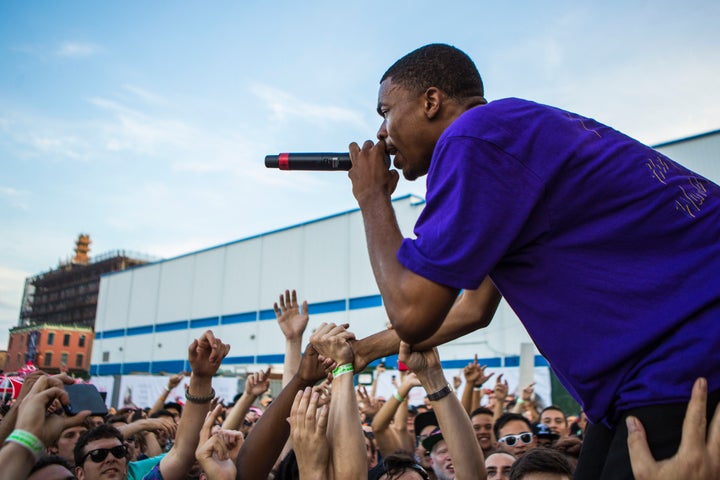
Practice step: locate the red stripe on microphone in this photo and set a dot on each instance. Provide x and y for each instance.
(283, 161)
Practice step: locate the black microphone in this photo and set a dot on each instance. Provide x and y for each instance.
(324, 161)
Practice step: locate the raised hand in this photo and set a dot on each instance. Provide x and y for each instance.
(292, 319)
(308, 430)
(258, 383)
(475, 373)
(175, 380)
(206, 354)
(217, 452)
(501, 389)
(312, 368)
(696, 459)
(331, 341)
(32, 415)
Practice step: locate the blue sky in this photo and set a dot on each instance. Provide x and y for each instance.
(145, 124)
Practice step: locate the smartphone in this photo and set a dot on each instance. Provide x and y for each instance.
(84, 396)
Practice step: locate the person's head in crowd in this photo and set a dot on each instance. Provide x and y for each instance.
(175, 409)
(251, 418)
(119, 421)
(65, 444)
(555, 418)
(101, 453)
(94, 421)
(162, 437)
(482, 422)
(570, 447)
(370, 449)
(544, 435)
(51, 467)
(424, 424)
(498, 465)
(542, 464)
(400, 466)
(442, 464)
(514, 434)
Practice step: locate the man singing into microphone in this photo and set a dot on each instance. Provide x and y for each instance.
(581, 228)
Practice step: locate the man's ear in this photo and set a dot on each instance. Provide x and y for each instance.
(80, 473)
(433, 100)
(52, 450)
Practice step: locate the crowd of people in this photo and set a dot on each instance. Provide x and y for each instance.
(321, 425)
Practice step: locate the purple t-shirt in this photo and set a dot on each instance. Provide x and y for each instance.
(608, 251)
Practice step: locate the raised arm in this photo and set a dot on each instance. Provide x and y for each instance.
(36, 429)
(472, 310)
(266, 440)
(467, 457)
(292, 320)
(347, 442)
(389, 439)
(173, 382)
(205, 356)
(255, 385)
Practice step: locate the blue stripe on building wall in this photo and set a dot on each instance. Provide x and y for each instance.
(114, 333)
(140, 367)
(267, 314)
(242, 359)
(365, 302)
(169, 327)
(512, 361)
(145, 329)
(274, 358)
(327, 307)
(239, 318)
(205, 322)
(169, 366)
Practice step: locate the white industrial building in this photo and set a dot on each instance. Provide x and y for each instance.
(146, 316)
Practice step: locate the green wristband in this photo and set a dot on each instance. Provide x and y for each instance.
(27, 440)
(342, 370)
(397, 396)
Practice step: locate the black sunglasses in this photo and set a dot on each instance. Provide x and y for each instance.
(100, 454)
(511, 440)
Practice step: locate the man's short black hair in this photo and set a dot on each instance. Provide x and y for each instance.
(509, 417)
(437, 65)
(556, 408)
(173, 405)
(481, 410)
(163, 413)
(97, 433)
(541, 460)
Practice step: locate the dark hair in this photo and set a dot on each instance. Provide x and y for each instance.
(97, 433)
(174, 405)
(437, 65)
(481, 410)
(505, 418)
(541, 460)
(556, 408)
(110, 419)
(398, 463)
(46, 460)
(162, 413)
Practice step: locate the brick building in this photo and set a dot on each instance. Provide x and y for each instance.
(53, 348)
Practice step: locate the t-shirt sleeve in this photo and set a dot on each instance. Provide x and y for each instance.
(479, 199)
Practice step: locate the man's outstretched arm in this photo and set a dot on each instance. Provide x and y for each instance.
(472, 310)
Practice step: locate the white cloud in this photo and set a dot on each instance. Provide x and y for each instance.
(285, 105)
(78, 49)
(143, 94)
(14, 197)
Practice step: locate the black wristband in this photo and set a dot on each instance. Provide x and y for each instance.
(195, 399)
(443, 392)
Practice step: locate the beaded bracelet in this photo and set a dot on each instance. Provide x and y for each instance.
(196, 399)
(342, 370)
(27, 440)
